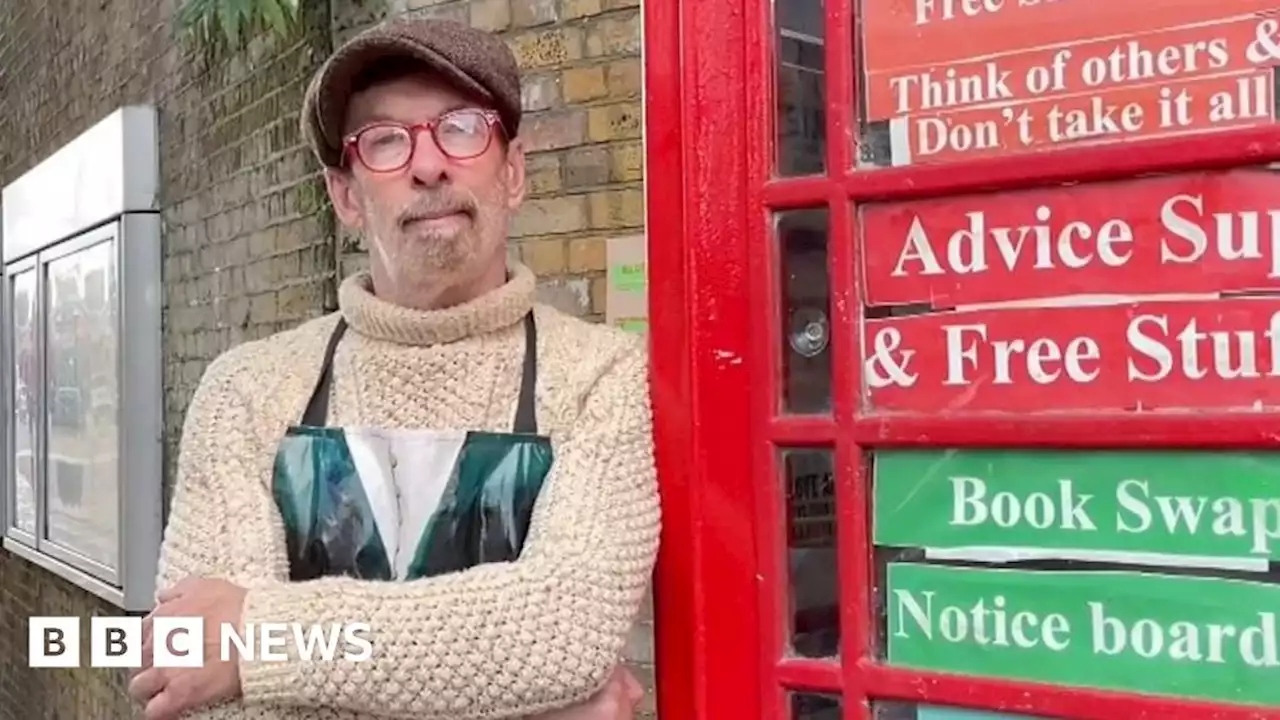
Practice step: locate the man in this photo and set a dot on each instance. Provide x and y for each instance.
(416, 124)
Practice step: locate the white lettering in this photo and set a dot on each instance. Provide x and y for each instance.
(966, 501)
(1186, 514)
(986, 622)
(272, 634)
(939, 10)
(1073, 246)
(1235, 236)
(270, 641)
(917, 248)
(1132, 504)
(1266, 524)
(1258, 642)
(1182, 640)
(1224, 354)
(970, 506)
(1041, 361)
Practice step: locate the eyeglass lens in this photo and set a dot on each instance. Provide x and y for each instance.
(460, 135)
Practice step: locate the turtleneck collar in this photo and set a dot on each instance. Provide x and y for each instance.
(376, 318)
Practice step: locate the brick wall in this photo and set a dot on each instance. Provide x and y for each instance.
(250, 247)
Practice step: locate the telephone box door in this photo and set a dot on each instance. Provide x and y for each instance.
(966, 358)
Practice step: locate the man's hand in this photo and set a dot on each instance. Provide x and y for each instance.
(617, 700)
(167, 693)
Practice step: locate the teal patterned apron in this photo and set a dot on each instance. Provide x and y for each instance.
(400, 504)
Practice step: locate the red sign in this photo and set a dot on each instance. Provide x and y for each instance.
(1206, 355)
(1201, 233)
(913, 33)
(1227, 102)
(1087, 67)
(959, 79)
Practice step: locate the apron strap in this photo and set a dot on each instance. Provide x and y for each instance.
(526, 421)
(526, 410)
(317, 412)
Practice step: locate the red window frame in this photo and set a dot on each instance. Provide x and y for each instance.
(721, 588)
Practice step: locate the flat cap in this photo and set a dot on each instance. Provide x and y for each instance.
(475, 61)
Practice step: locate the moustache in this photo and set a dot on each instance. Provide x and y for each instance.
(436, 207)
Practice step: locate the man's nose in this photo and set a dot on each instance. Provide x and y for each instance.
(428, 166)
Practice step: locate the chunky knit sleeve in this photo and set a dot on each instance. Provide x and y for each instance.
(502, 640)
(196, 527)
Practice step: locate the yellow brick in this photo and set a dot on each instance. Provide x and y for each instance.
(581, 84)
(491, 15)
(587, 254)
(617, 209)
(626, 162)
(528, 13)
(571, 9)
(542, 174)
(550, 216)
(614, 122)
(547, 47)
(599, 293)
(624, 79)
(544, 257)
(614, 35)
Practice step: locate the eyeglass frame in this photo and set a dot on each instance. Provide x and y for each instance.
(351, 143)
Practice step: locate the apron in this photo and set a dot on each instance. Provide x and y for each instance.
(401, 504)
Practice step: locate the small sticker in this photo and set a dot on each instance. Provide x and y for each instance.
(629, 277)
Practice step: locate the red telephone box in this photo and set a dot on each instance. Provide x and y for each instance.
(966, 335)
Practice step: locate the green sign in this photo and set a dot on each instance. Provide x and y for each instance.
(1203, 638)
(1082, 504)
(629, 277)
(634, 325)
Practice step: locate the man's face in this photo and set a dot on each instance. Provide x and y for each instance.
(438, 220)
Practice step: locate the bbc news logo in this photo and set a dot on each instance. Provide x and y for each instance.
(115, 642)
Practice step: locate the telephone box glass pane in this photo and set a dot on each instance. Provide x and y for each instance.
(808, 706)
(814, 589)
(944, 81)
(806, 313)
(800, 87)
(82, 386)
(26, 386)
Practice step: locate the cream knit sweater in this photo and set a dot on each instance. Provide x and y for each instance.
(497, 641)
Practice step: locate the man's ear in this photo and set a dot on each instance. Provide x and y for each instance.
(514, 167)
(343, 195)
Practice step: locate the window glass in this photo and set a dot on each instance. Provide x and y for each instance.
(813, 706)
(26, 386)
(806, 322)
(801, 88)
(814, 588)
(81, 392)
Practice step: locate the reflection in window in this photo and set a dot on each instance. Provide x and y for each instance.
(801, 91)
(806, 706)
(806, 320)
(25, 386)
(811, 550)
(81, 403)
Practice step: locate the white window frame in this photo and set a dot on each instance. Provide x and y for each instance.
(106, 183)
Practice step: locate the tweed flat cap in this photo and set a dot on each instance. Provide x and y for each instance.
(473, 60)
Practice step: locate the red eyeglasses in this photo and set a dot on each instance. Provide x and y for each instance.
(460, 135)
